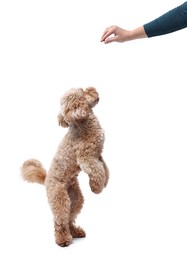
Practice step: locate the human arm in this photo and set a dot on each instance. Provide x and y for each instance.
(122, 35)
(172, 21)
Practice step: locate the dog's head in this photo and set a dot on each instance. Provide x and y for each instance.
(76, 104)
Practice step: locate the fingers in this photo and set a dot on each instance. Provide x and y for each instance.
(107, 33)
(111, 39)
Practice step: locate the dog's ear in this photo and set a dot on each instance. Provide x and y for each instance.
(61, 121)
(91, 96)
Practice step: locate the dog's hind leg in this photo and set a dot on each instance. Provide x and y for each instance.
(60, 205)
(77, 201)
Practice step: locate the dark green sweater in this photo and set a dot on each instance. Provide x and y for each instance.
(172, 21)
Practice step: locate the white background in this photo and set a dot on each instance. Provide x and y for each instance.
(47, 47)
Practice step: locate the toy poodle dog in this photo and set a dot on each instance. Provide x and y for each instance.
(80, 150)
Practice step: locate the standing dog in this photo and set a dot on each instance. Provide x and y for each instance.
(80, 150)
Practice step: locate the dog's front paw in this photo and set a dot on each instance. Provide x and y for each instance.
(96, 186)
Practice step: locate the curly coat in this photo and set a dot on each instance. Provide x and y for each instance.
(80, 150)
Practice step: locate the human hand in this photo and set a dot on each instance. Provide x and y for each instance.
(119, 35)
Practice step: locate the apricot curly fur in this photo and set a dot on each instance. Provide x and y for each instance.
(80, 150)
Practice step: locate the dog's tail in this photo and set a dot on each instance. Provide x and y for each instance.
(33, 171)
